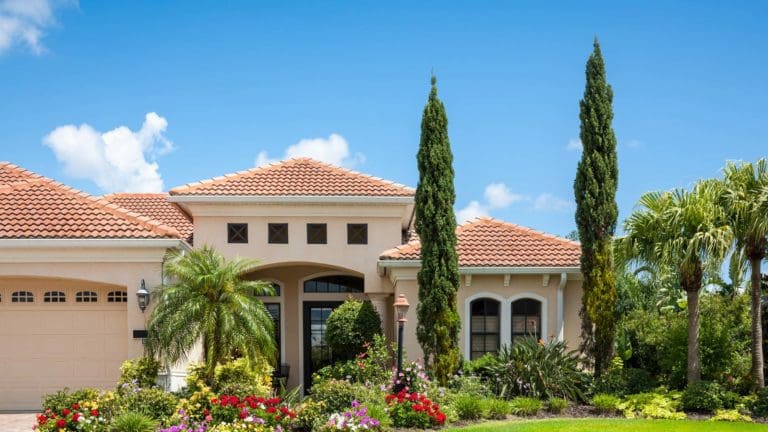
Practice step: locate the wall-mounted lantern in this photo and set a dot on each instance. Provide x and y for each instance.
(142, 295)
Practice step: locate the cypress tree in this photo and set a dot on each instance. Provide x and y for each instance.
(596, 213)
(438, 326)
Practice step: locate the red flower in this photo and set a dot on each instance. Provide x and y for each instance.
(418, 408)
(95, 413)
(61, 423)
(206, 412)
(76, 417)
(42, 419)
(277, 417)
(243, 414)
(75, 407)
(440, 417)
(65, 412)
(271, 410)
(215, 401)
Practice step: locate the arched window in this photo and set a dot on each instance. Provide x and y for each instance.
(22, 297)
(484, 327)
(526, 319)
(117, 297)
(86, 297)
(334, 284)
(54, 297)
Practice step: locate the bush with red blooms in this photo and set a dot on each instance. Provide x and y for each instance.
(75, 418)
(414, 410)
(228, 408)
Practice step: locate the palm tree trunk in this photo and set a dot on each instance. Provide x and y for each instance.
(757, 324)
(694, 367)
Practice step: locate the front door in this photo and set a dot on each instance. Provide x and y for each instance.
(317, 353)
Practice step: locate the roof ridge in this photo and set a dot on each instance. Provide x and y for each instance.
(492, 220)
(100, 203)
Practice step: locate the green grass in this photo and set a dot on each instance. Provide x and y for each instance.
(613, 425)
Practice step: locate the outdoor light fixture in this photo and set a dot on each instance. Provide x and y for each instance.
(142, 295)
(401, 308)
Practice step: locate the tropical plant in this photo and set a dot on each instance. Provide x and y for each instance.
(557, 405)
(372, 367)
(437, 328)
(497, 409)
(141, 372)
(745, 200)
(685, 231)
(525, 406)
(133, 422)
(594, 188)
(702, 396)
(605, 403)
(654, 405)
(350, 327)
(540, 370)
(209, 300)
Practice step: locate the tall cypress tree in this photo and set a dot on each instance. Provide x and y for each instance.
(596, 213)
(438, 326)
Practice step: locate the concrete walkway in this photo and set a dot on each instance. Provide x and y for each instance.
(17, 422)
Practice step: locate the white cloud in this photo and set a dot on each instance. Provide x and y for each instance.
(549, 202)
(119, 160)
(333, 150)
(23, 22)
(633, 143)
(498, 195)
(574, 144)
(472, 210)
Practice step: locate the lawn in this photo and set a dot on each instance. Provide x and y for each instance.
(613, 425)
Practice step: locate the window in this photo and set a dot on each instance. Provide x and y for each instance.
(54, 297)
(526, 319)
(22, 297)
(484, 327)
(275, 288)
(117, 297)
(277, 233)
(274, 310)
(357, 234)
(86, 297)
(317, 233)
(237, 233)
(334, 284)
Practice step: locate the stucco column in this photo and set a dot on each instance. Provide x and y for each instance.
(382, 303)
(561, 305)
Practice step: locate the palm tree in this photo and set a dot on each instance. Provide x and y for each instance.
(210, 302)
(744, 195)
(686, 231)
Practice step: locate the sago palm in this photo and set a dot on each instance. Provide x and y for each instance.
(744, 196)
(685, 230)
(209, 302)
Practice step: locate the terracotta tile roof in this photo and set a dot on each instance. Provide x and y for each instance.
(157, 207)
(296, 177)
(33, 206)
(486, 242)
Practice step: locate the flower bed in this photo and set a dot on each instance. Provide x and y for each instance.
(414, 410)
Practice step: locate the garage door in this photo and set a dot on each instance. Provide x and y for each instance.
(54, 338)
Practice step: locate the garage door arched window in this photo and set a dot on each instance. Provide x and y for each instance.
(526, 319)
(22, 297)
(117, 297)
(86, 297)
(484, 327)
(334, 284)
(54, 297)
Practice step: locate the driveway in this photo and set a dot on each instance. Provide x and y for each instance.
(17, 422)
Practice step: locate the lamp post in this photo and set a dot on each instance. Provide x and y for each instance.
(401, 308)
(142, 295)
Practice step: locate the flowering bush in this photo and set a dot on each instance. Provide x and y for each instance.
(355, 419)
(414, 410)
(251, 409)
(413, 377)
(371, 367)
(85, 417)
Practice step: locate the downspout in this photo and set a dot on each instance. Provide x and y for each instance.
(560, 306)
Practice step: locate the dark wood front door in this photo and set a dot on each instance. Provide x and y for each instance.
(317, 353)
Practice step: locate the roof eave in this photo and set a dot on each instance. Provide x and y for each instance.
(290, 199)
(394, 263)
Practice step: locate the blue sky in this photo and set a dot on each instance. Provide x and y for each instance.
(228, 82)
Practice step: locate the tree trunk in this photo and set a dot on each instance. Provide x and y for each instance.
(694, 367)
(757, 324)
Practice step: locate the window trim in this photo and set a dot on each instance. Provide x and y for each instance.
(54, 296)
(87, 296)
(325, 233)
(330, 276)
(351, 227)
(237, 233)
(117, 296)
(485, 333)
(269, 233)
(22, 296)
(538, 332)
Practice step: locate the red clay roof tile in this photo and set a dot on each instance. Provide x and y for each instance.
(296, 177)
(157, 207)
(33, 206)
(486, 242)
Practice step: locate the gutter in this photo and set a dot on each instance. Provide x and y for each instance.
(384, 264)
(291, 199)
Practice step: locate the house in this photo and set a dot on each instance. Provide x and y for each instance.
(71, 264)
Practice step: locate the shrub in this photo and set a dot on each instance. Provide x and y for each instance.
(525, 406)
(730, 416)
(557, 405)
(71, 418)
(482, 366)
(605, 403)
(140, 372)
(621, 381)
(497, 409)
(337, 395)
(702, 396)
(310, 415)
(64, 399)
(371, 367)
(468, 407)
(240, 377)
(731, 400)
(154, 403)
(760, 404)
(414, 410)
(133, 422)
(351, 420)
(653, 405)
(530, 368)
(350, 326)
(469, 385)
